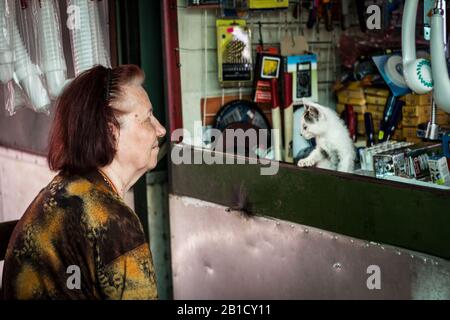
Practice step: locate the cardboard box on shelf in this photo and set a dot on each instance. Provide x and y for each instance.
(411, 161)
(409, 132)
(417, 99)
(361, 128)
(375, 108)
(414, 121)
(376, 92)
(354, 85)
(355, 93)
(352, 101)
(340, 107)
(439, 170)
(416, 111)
(442, 119)
(357, 108)
(413, 140)
(398, 135)
(375, 116)
(376, 100)
(416, 164)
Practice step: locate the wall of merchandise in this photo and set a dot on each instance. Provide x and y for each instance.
(202, 94)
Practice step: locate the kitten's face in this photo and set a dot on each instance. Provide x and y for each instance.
(312, 122)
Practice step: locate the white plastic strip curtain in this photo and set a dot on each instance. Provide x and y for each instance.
(6, 54)
(27, 55)
(52, 55)
(88, 47)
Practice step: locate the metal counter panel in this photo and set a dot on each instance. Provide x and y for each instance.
(223, 254)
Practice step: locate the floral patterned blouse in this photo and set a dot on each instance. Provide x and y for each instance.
(78, 240)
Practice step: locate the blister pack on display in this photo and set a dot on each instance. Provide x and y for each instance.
(234, 53)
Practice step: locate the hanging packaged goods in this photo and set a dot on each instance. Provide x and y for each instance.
(267, 4)
(27, 59)
(234, 53)
(54, 63)
(370, 92)
(88, 47)
(33, 65)
(201, 3)
(304, 82)
(234, 9)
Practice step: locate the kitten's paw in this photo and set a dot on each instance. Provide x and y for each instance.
(305, 163)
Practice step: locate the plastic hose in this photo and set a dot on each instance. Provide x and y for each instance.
(441, 93)
(417, 72)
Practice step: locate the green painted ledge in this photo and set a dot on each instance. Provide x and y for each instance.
(403, 215)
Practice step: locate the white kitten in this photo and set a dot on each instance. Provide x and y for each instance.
(334, 147)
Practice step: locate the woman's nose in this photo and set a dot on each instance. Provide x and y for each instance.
(160, 130)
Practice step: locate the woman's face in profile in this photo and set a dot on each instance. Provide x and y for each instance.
(139, 130)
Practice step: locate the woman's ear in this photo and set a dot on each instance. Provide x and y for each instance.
(115, 131)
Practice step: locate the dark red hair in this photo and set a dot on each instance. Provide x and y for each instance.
(82, 138)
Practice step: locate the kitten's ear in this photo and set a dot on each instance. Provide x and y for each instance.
(311, 114)
(315, 113)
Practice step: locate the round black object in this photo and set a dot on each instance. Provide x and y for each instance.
(243, 111)
(245, 115)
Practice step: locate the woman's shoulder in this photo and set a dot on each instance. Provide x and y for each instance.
(97, 199)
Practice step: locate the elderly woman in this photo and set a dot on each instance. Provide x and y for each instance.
(78, 239)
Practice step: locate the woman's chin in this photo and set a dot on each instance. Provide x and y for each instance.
(153, 158)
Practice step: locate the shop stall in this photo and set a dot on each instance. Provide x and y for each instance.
(259, 218)
(307, 154)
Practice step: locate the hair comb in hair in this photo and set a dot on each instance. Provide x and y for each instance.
(108, 84)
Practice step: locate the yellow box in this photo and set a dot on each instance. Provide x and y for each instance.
(376, 116)
(414, 140)
(355, 93)
(268, 4)
(398, 135)
(414, 121)
(354, 85)
(361, 127)
(441, 119)
(357, 108)
(352, 101)
(376, 126)
(375, 108)
(417, 99)
(360, 109)
(409, 132)
(376, 100)
(415, 111)
(377, 92)
(340, 107)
